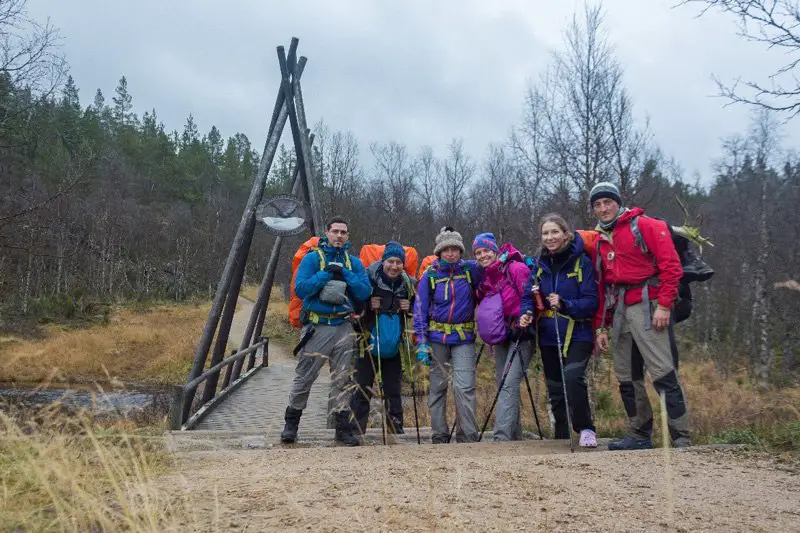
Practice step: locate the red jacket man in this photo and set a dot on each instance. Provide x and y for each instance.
(626, 263)
(638, 287)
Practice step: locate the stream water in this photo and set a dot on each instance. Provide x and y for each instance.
(99, 399)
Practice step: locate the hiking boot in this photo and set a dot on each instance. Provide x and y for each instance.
(344, 431)
(588, 439)
(436, 439)
(396, 427)
(682, 442)
(694, 268)
(630, 443)
(292, 418)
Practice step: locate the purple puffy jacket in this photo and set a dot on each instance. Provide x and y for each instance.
(450, 302)
(510, 267)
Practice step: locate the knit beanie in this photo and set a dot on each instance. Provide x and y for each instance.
(448, 237)
(394, 249)
(605, 189)
(485, 240)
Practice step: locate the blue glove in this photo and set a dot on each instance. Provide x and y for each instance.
(424, 354)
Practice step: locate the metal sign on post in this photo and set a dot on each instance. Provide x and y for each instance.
(284, 215)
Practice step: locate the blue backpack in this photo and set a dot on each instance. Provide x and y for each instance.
(386, 335)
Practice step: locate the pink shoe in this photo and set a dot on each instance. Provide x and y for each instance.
(588, 439)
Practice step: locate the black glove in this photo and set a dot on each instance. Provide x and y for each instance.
(334, 268)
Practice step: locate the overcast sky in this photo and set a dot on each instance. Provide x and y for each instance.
(418, 72)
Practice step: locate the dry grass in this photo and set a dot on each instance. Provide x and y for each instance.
(67, 475)
(155, 345)
(716, 404)
(250, 292)
(151, 346)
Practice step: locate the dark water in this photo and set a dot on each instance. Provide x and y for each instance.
(129, 402)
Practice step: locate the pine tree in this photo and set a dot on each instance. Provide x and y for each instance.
(123, 104)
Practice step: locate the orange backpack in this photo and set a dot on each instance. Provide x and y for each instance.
(295, 303)
(589, 242)
(374, 252)
(426, 262)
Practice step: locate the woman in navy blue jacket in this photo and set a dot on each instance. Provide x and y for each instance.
(566, 280)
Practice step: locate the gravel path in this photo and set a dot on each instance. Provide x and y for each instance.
(529, 486)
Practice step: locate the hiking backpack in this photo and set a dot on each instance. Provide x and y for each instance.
(295, 303)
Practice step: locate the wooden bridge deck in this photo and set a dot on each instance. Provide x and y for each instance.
(259, 404)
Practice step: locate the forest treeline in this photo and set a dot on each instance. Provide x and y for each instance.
(101, 205)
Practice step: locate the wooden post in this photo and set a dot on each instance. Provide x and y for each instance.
(176, 407)
(278, 122)
(256, 323)
(297, 122)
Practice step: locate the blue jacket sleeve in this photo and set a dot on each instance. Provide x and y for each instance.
(421, 309)
(586, 304)
(310, 279)
(357, 280)
(526, 301)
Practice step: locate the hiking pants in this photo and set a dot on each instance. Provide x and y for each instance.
(578, 393)
(507, 424)
(335, 344)
(655, 350)
(367, 387)
(639, 389)
(461, 359)
(638, 362)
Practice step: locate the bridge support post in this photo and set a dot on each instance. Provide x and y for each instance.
(176, 407)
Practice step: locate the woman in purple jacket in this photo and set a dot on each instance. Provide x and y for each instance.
(443, 322)
(499, 297)
(566, 280)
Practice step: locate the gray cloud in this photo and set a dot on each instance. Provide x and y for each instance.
(416, 72)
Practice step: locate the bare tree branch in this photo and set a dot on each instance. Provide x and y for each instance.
(776, 24)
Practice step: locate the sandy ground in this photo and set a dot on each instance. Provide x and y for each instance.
(530, 486)
(526, 486)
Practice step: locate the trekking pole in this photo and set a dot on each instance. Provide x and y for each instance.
(380, 379)
(563, 382)
(413, 378)
(455, 422)
(530, 392)
(500, 387)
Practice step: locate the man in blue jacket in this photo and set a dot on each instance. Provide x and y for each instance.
(332, 284)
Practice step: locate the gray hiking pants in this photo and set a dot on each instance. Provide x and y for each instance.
(507, 424)
(461, 359)
(655, 349)
(335, 344)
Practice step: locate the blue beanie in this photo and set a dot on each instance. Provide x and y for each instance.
(605, 189)
(485, 240)
(394, 249)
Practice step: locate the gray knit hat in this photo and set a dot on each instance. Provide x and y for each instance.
(605, 189)
(448, 237)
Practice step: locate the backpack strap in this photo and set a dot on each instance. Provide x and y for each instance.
(409, 285)
(638, 240)
(322, 261)
(434, 282)
(577, 272)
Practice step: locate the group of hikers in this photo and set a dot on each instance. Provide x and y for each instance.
(615, 286)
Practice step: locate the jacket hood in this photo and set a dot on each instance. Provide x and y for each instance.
(625, 217)
(509, 253)
(323, 243)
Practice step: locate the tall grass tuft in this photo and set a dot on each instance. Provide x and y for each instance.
(66, 474)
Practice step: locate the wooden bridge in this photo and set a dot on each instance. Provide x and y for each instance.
(246, 392)
(249, 411)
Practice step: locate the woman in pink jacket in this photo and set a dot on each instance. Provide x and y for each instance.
(499, 294)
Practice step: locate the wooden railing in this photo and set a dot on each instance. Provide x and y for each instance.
(181, 415)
